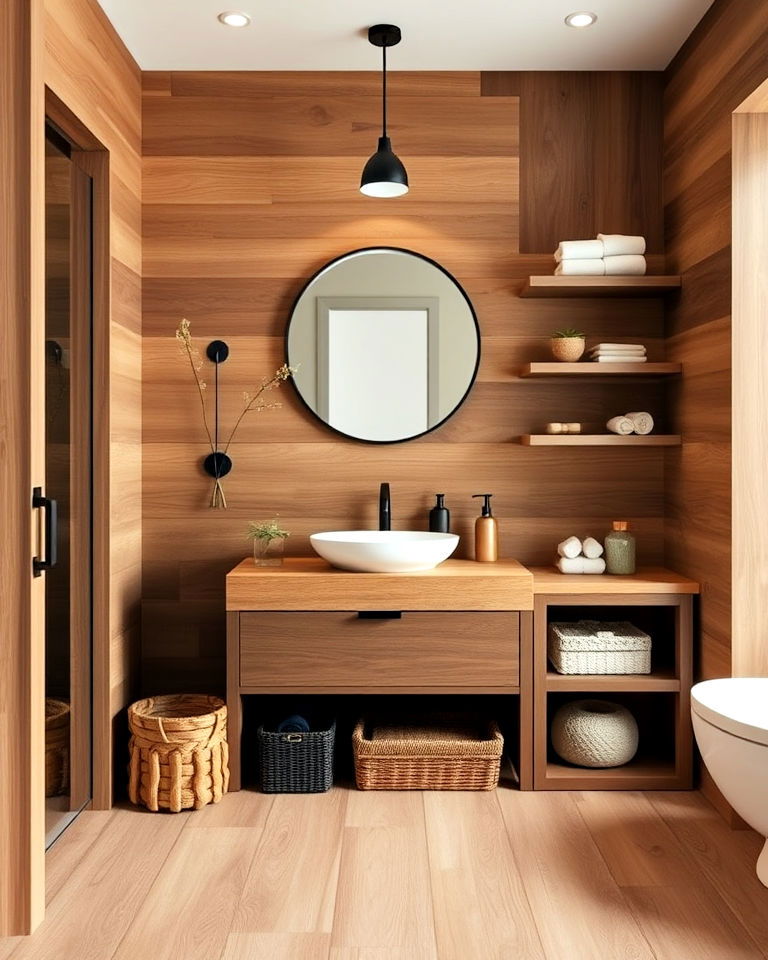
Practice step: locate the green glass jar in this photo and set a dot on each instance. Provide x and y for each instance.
(620, 549)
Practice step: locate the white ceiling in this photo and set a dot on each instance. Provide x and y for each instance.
(437, 34)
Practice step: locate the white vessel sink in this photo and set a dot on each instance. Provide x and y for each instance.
(384, 551)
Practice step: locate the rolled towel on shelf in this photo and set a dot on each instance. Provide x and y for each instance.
(293, 724)
(581, 565)
(619, 358)
(579, 250)
(592, 548)
(641, 421)
(580, 268)
(625, 266)
(623, 426)
(569, 548)
(617, 244)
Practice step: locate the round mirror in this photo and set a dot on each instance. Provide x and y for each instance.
(386, 344)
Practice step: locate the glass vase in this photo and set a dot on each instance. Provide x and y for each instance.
(268, 553)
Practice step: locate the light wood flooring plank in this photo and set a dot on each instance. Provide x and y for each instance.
(245, 808)
(291, 887)
(64, 856)
(578, 908)
(91, 913)
(479, 899)
(384, 808)
(383, 901)
(188, 911)
(277, 946)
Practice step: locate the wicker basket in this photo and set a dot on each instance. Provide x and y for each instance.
(443, 753)
(296, 762)
(179, 753)
(591, 647)
(57, 716)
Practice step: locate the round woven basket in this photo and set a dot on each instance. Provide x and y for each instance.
(179, 753)
(57, 715)
(594, 733)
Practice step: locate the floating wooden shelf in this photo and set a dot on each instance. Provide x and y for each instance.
(654, 580)
(598, 440)
(592, 369)
(599, 286)
(660, 681)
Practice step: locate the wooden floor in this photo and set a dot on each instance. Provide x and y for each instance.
(406, 876)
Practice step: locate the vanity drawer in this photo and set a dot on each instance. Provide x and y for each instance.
(418, 649)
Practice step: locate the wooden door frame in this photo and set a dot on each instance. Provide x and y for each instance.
(90, 155)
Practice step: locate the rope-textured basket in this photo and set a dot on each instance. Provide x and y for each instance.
(179, 752)
(591, 647)
(443, 753)
(296, 762)
(57, 716)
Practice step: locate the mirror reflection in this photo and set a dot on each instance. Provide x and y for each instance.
(386, 343)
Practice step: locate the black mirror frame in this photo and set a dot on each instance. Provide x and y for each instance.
(461, 290)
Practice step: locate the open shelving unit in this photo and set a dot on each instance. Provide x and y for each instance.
(658, 601)
(598, 440)
(590, 369)
(647, 286)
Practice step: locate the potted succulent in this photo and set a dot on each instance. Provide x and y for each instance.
(567, 345)
(268, 542)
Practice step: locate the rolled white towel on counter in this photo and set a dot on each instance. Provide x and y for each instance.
(579, 250)
(619, 358)
(580, 268)
(641, 421)
(617, 244)
(581, 565)
(569, 548)
(621, 425)
(592, 548)
(625, 266)
(618, 348)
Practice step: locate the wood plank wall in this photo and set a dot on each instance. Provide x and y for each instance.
(250, 185)
(722, 62)
(90, 71)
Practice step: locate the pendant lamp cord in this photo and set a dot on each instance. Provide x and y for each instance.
(384, 92)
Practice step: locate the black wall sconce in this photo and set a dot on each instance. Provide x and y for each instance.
(217, 464)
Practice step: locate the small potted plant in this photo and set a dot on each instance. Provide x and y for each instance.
(567, 345)
(268, 542)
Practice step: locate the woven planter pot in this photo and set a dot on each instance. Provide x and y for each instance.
(57, 716)
(594, 733)
(567, 349)
(179, 753)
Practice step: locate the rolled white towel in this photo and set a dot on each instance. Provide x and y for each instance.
(592, 548)
(641, 421)
(569, 548)
(581, 565)
(618, 348)
(617, 244)
(621, 425)
(580, 268)
(579, 250)
(625, 266)
(619, 358)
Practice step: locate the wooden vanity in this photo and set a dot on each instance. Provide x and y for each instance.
(307, 628)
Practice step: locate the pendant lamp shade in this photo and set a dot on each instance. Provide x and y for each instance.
(384, 174)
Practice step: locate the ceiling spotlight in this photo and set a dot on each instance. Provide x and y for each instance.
(581, 19)
(233, 18)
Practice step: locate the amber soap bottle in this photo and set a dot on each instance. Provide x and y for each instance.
(486, 532)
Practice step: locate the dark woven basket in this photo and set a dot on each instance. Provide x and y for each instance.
(296, 762)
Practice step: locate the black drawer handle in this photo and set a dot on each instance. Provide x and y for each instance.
(51, 531)
(380, 615)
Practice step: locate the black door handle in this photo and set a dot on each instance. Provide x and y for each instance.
(51, 531)
(380, 615)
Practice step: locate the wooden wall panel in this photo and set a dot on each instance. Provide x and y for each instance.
(590, 154)
(722, 62)
(250, 185)
(90, 71)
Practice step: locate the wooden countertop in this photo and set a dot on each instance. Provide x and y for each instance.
(549, 580)
(309, 583)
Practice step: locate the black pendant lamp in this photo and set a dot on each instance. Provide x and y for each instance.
(384, 175)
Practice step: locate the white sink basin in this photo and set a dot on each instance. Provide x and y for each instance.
(384, 551)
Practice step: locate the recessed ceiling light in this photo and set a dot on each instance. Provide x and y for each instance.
(581, 19)
(234, 19)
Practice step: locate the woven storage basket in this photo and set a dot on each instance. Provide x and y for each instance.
(296, 762)
(444, 753)
(591, 647)
(179, 753)
(57, 716)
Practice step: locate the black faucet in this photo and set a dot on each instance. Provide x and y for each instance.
(385, 508)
